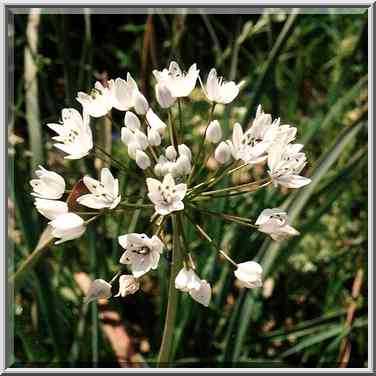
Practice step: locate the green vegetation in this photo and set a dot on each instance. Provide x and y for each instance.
(309, 69)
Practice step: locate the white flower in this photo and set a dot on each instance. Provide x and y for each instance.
(163, 95)
(141, 252)
(51, 209)
(187, 280)
(127, 285)
(174, 162)
(142, 159)
(214, 132)
(155, 122)
(274, 223)
(222, 152)
(141, 105)
(252, 145)
(249, 274)
(199, 289)
(166, 196)
(203, 294)
(48, 185)
(67, 226)
(99, 289)
(103, 193)
(123, 93)
(154, 138)
(219, 91)
(99, 102)
(74, 134)
(132, 136)
(286, 162)
(131, 121)
(178, 83)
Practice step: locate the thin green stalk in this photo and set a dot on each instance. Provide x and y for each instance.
(165, 352)
(172, 130)
(180, 117)
(214, 245)
(263, 182)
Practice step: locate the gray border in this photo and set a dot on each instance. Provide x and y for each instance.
(6, 89)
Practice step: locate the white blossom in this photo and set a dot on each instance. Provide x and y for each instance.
(99, 102)
(274, 222)
(141, 252)
(142, 159)
(103, 193)
(252, 146)
(50, 209)
(188, 281)
(219, 91)
(175, 162)
(286, 162)
(123, 93)
(127, 285)
(214, 132)
(67, 226)
(155, 122)
(141, 105)
(131, 121)
(99, 289)
(249, 274)
(154, 138)
(163, 95)
(166, 196)
(178, 83)
(222, 152)
(74, 134)
(49, 184)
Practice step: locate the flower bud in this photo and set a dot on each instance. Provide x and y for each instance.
(141, 105)
(127, 285)
(184, 149)
(163, 94)
(214, 132)
(158, 169)
(141, 139)
(131, 121)
(184, 165)
(154, 137)
(222, 153)
(99, 289)
(142, 160)
(171, 153)
(126, 136)
(249, 274)
(155, 122)
(132, 149)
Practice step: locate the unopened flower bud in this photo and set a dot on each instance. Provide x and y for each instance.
(155, 122)
(163, 94)
(132, 149)
(214, 132)
(141, 139)
(184, 165)
(184, 149)
(222, 153)
(141, 105)
(171, 153)
(142, 160)
(131, 121)
(127, 285)
(154, 137)
(99, 289)
(126, 135)
(158, 169)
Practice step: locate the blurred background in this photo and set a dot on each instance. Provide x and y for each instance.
(309, 69)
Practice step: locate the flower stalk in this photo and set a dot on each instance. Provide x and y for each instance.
(165, 352)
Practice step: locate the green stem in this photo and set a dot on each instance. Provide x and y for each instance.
(165, 352)
(172, 130)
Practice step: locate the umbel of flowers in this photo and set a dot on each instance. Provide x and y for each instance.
(173, 179)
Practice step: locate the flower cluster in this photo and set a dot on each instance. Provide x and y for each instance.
(176, 186)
